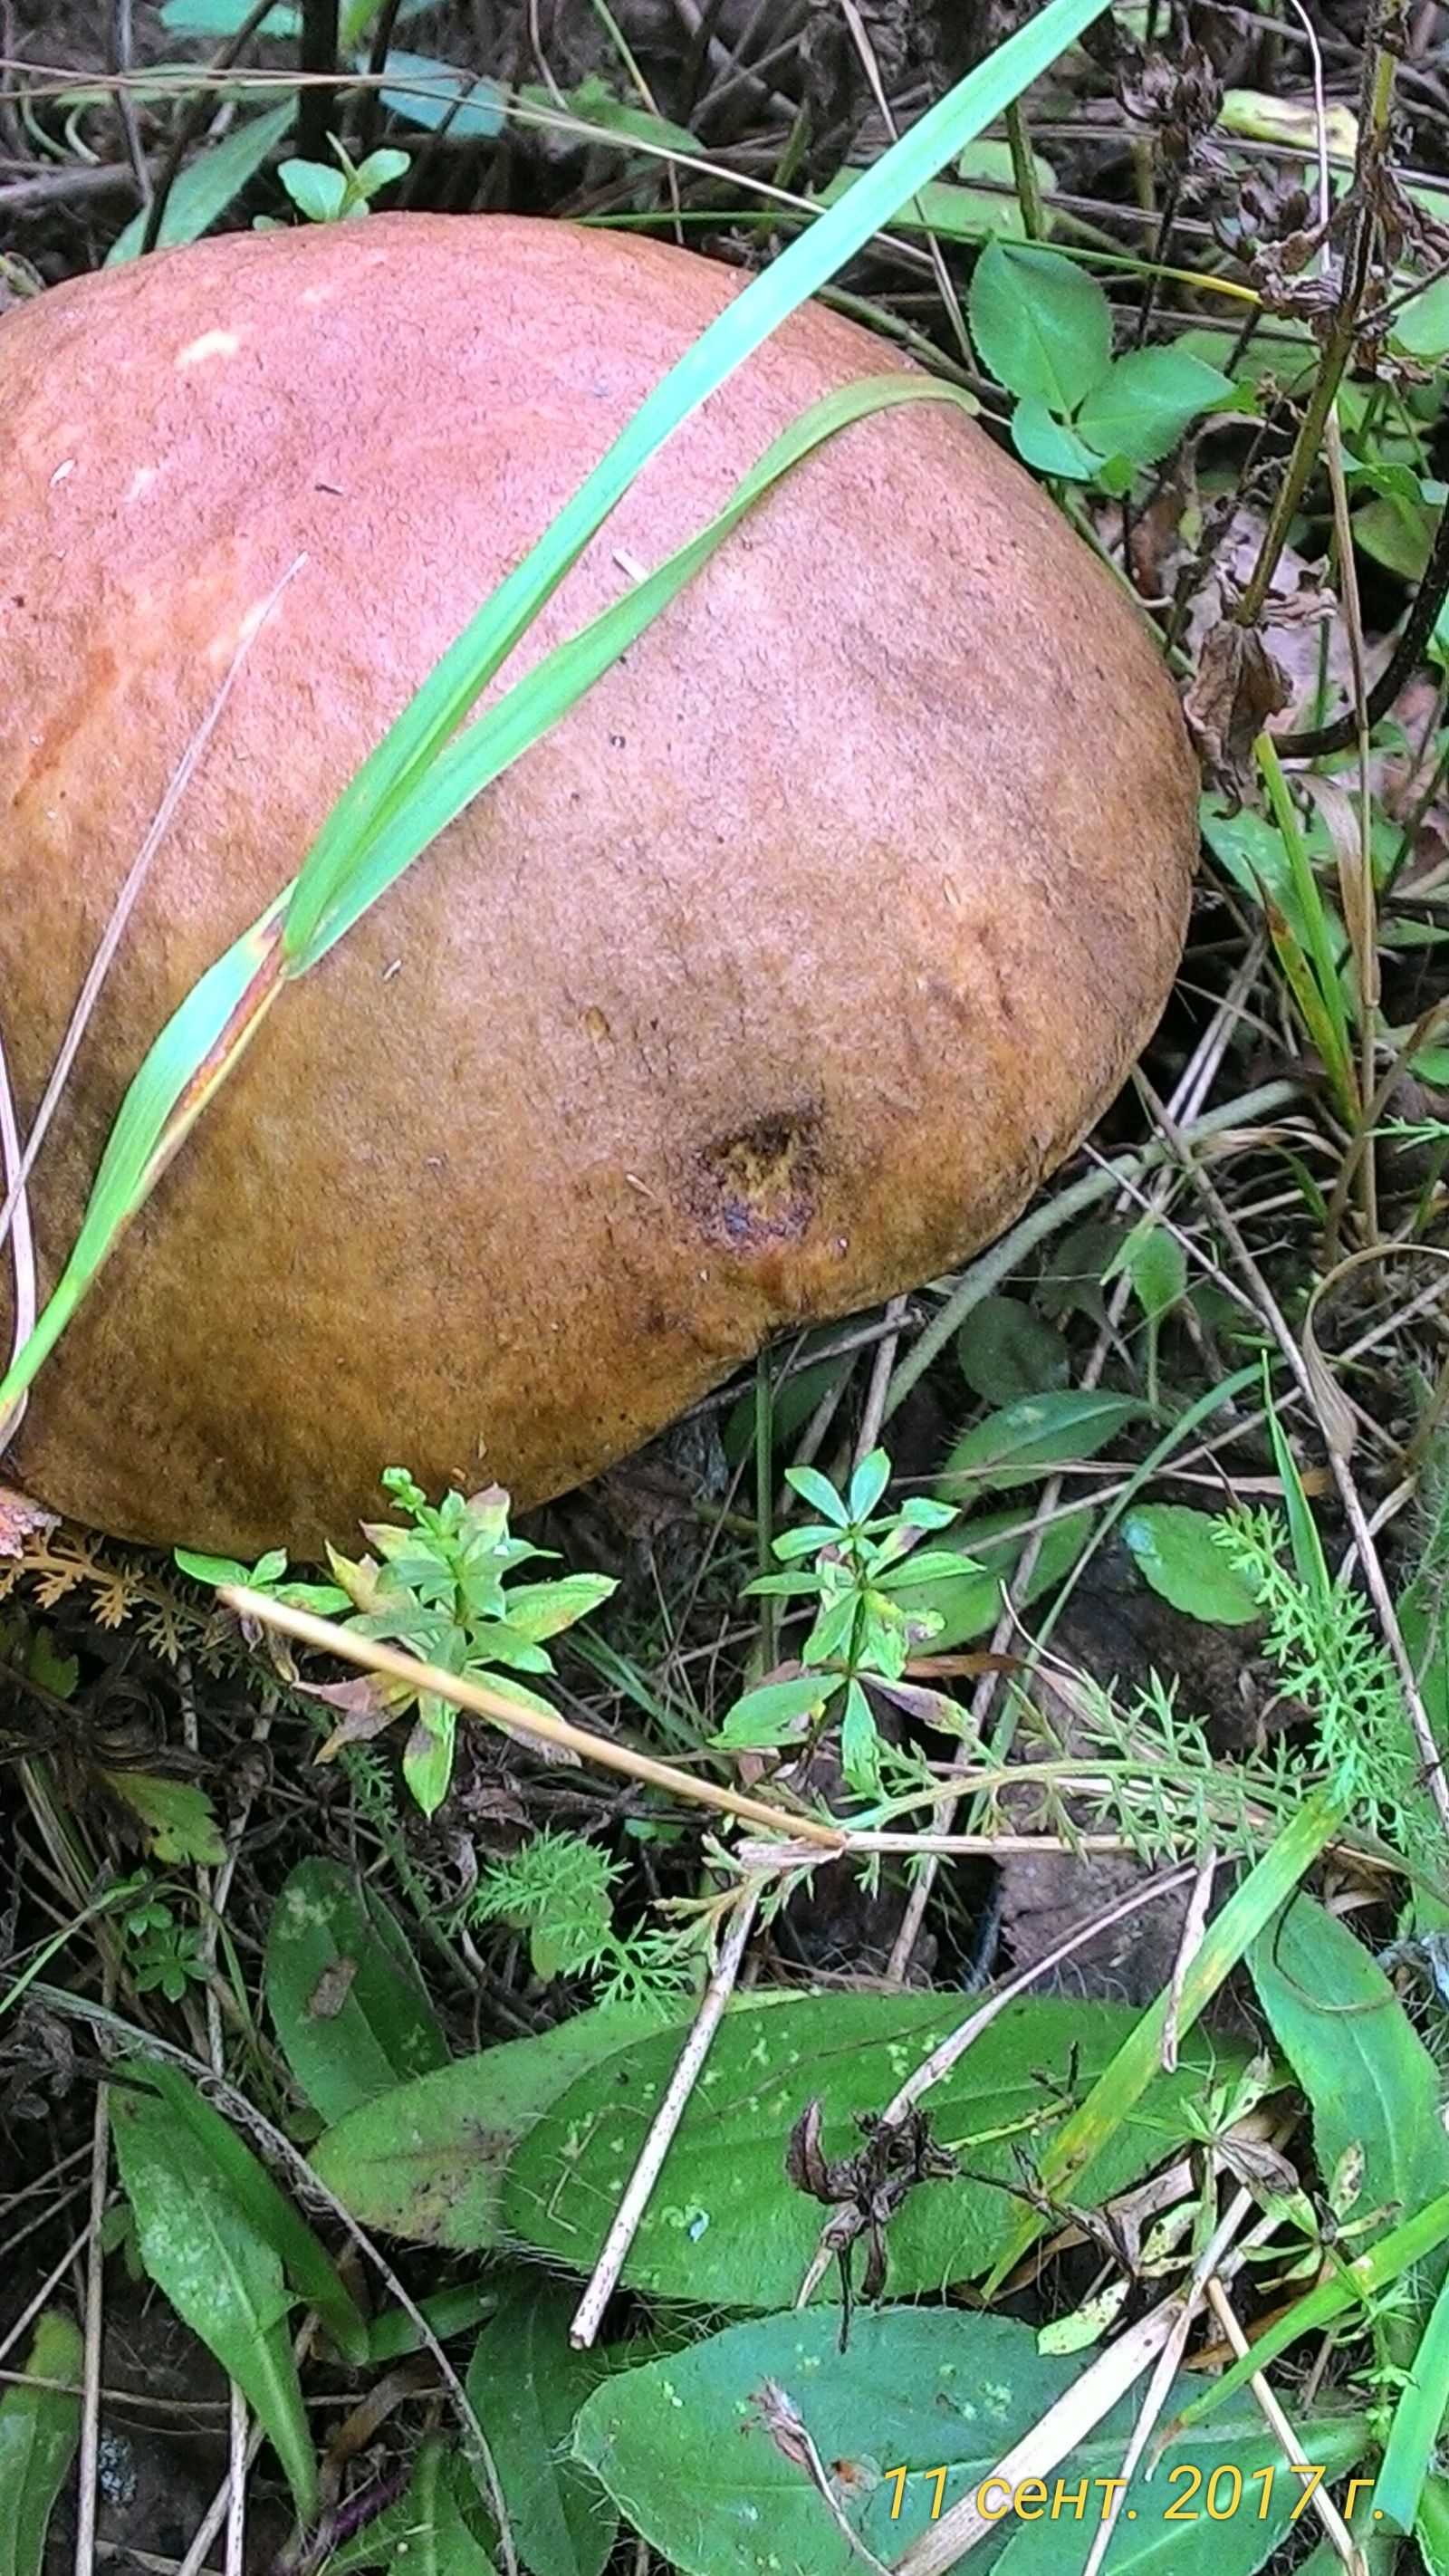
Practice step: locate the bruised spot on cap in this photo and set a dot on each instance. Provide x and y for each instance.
(212, 344)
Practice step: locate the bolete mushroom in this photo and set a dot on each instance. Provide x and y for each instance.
(770, 983)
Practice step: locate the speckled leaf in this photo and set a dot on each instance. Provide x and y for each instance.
(526, 2385)
(425, 2160)
(347, 2002)
(39, 2430)
(725, 2225)
(681, 2446)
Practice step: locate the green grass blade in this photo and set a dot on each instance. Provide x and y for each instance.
(191, 1057)
(1419, 2415)
(465, 766)
(808, 263)
(1081, 2138)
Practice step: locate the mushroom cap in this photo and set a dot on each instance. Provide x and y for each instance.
(769, 984)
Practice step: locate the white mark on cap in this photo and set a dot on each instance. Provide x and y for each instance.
(212, 344)
(61, 472)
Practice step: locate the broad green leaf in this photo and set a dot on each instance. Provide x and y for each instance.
(425, 2533)
(203, 192)
(772, 1714)
(1008, 1350)
(1050, 445)
(316, 189)
(526, 2385)
(1040, 324)
(1370, 2081)
(913, 2417)
(348, 2004)
(725, 2225)
(1421, 327)
(1156, 1264)
(177, 1816)
(970, 1605)
(426, 2160)
(179, 2119)
(425, 92)
(1146, 400)
(221, 2274)
(1175, 1550)
(39, 2430)
(1027, 1440)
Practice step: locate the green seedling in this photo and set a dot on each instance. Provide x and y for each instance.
(439, 1585)
(861, 1632)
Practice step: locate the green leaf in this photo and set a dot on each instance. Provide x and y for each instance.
(425, 2533)
(426, 2160)
(1176, 1551)
(348, 2004)
(177, 1816)
(207, 187)
(1040, 324)
(769, 1716)
(1147, 399)
(317, 191)
(970, 1606)
(1156, 1264)
(594, 103)
(960, 214)
(1030, 1439)
(868, 1484)
(1369, 2079)
(1431, 2530)
(1007, 1350)
(819, 1493)
(725, 2226)
(1421, 327)
(221, 2274)
(526, 2385)
(684, 2447)
(425, 92)
(39, 2430)
(1414, 2435)
(1049, 446)
(175, 2117)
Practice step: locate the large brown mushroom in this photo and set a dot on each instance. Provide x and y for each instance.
(769, 984)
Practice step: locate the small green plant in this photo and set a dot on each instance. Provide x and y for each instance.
(1044, 328)
(861, 1632)
(328, 196)
(439, 1585)
(162, 1955)
(559, 1891)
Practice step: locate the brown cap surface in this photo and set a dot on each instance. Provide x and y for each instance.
(768, 984)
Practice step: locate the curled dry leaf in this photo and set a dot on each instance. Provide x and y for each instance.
(1237, 688)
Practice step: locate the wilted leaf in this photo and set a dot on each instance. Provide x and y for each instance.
(1237, 688)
